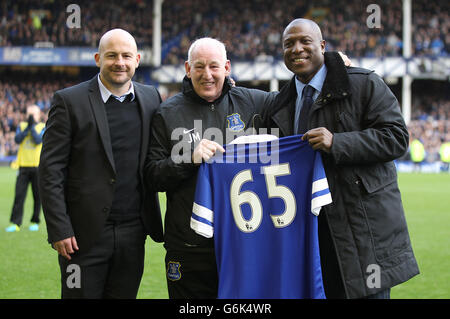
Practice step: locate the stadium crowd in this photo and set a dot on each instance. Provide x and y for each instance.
(250, 29)
(430, 124)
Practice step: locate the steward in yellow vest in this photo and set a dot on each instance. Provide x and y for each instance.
(417, 151)
(30, 140)
(444, 152)
(29, 137)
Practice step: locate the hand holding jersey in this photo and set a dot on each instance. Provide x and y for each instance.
(205, 150)
(319, 138)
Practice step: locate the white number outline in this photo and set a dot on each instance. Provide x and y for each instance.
(245, 225)
(274, 190)
(280, 191)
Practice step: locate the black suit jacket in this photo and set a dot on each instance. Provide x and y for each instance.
(76, 171)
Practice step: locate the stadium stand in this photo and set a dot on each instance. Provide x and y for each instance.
(251, 30)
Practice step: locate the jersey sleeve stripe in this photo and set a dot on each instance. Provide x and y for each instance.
(320, 193)
(202, 229)
(203, 212)
(202, 220)
(318, 202)
(319, 185)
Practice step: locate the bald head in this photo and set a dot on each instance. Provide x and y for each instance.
(207, 44)
(305, 23)
(115, 35)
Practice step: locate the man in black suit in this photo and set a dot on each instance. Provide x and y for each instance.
(97, 208)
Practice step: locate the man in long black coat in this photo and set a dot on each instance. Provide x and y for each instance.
(356, 122)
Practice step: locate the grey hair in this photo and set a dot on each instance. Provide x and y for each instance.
(207, 41)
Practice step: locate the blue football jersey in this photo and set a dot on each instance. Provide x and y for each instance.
(260, 202)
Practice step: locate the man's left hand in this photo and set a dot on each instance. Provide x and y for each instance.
(319, 138)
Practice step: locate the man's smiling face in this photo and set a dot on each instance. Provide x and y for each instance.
(303, 49)
(117, 59)
(208, 70)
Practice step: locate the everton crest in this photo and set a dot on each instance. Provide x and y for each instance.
(173, 270)
(234, 122)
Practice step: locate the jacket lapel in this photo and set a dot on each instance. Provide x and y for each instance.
(336, 85)
(283, 119)
(283, 112)
(98, 108)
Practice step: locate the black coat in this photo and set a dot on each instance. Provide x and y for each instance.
(76, 171)
(366, 219)
(183, 120)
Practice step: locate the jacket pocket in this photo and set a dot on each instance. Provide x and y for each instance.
(375, 177)
(383, 210)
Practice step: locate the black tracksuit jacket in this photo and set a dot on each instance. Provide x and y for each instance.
(182, 121)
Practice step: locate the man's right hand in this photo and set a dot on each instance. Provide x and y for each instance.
(66, 247)
(205, 150)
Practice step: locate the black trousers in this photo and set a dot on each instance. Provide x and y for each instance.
(26, 176)
(191, 275)
(112, 268)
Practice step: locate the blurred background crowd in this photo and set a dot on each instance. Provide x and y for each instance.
(251, 30)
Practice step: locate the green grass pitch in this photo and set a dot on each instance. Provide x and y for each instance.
(29, 267)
